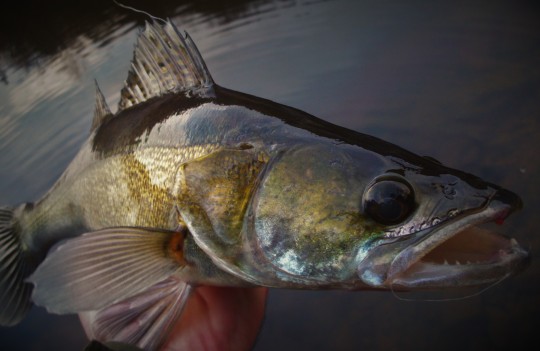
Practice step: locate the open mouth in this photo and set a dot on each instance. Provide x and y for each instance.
(464, 252)
(460, 252)
(472, 257)
(473, 246)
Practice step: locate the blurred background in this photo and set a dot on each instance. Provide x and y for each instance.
(459, 81)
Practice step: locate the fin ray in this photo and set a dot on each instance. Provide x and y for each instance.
(163, 61)
(76, 276)
(143, 320)
(102, 113)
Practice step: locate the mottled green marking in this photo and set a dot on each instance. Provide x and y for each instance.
(155, 201)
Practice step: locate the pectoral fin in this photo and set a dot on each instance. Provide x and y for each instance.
(100, 268)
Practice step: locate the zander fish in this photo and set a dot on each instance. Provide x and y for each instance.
(190, 184)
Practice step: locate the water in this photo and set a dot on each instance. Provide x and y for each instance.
(458, 82)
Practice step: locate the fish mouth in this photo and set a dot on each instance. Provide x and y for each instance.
(457, 253)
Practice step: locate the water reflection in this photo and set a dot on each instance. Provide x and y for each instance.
(43, 29)
(459, 83)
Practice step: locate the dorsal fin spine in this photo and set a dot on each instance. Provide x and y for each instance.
(198, 58)
(167, 58)
(138, 91)
(140, 71)
(164, 61)
(149, 59)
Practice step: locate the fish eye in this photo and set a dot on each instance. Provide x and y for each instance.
(389, 201)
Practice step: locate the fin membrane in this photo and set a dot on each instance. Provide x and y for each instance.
(144, 320)
(14, 292)
(100, 268)
(102, 113)
(163, 61)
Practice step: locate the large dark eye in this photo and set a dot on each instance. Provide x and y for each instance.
(389, 201)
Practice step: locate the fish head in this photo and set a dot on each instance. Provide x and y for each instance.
(338, 215)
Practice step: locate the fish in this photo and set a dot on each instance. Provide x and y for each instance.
(191, 184)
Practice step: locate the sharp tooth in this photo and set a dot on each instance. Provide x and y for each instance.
(468, 262)
(445, 262)
(458, 263)
(514, 242)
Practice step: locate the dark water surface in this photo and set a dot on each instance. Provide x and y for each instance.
(456, 81)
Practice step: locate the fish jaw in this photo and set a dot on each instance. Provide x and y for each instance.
(456, 253)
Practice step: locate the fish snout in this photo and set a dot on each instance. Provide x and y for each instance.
(508, 198)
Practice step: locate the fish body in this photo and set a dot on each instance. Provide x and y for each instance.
(190, 183)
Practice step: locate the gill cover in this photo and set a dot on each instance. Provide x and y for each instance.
(215, 192)
(308, 223)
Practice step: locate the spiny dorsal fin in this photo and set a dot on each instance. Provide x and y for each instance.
(101, 111)
(163, 61)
